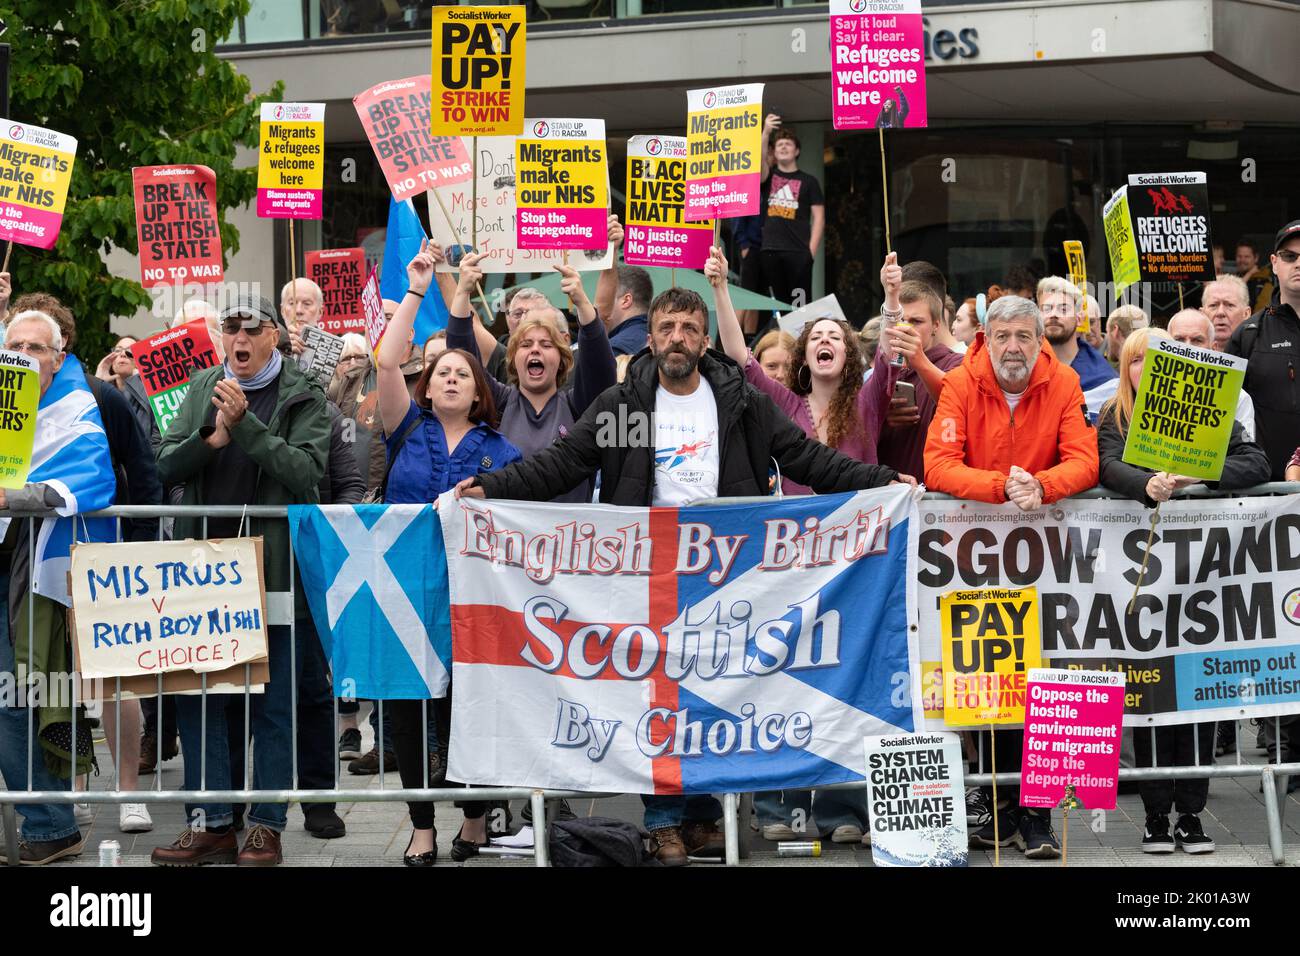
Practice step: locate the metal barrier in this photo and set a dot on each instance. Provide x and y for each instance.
(280, 611)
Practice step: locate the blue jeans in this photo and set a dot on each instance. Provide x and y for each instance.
(42, 822)
(272, 716)
(676, 810)
(830, 808)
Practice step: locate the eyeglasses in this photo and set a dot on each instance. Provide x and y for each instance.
(234, 327)
(31, 348)
(517, 313)
(1289, 256)
(351, 358)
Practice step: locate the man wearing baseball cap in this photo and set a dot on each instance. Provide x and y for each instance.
(1270, 341)
(252, 431)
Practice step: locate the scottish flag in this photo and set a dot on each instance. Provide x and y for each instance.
(71, 456)
(375, 577)
(401, 245)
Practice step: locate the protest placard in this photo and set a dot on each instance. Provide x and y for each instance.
(158, 606)
(724, 132)
(397, 116)
(1078, 274)
(916, 800)
(320, 354)
(291, 161)
(165, 363)
(1183, 411)
(176, 224)
(372, 309)
(35, 169)
(877, 64)
(483, 217)
(1073, 724)
(827, 307)
(990, 641)
(1170, 213)
(562, 193)
(656, 232)
(340, 274)
(1119, 241)
(478, 70)
(20, 393)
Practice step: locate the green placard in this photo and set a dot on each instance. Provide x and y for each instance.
(1120, 242)
(1184, 408)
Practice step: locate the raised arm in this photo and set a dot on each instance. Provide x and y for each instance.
(729, 331)
(394, 399)
(770, 122)
(607, 284)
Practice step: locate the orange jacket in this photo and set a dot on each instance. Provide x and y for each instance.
(974, 439)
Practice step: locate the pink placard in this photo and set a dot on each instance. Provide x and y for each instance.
(723, 197)
(1072, 738)
(31, 227)
(672, 246)
(555, 227)
(290, 203)
(877, 64)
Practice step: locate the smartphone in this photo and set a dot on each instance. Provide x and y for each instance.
(907, 392)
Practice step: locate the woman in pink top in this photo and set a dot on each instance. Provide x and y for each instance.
(826, 399)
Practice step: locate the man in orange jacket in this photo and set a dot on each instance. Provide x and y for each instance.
(1011, 425)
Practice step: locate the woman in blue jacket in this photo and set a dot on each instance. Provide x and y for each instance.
(444, 434)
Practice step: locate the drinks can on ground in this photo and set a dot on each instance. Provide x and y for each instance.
(800, 848)
(110, 853)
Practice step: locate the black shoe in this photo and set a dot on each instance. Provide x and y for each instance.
(1156, 838)
(1225, 739)
(978, 811)
(38, 854)
(421, 859)
(1008, 832)
(322, 822)
(437, 769)
(1038, 836)
(369, 764)
(1190, 837)
(350, 744)
(562, 812)
(462, 850)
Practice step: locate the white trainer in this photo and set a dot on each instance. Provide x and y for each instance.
(134, 818)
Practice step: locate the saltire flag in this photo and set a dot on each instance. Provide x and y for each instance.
(401, 245)
(375, 577)
(70, 455)
(678, 650)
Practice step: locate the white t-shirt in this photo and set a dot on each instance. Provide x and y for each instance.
(1013, 399)
(686, 446)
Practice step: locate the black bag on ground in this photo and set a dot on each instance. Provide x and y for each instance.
(598, 841)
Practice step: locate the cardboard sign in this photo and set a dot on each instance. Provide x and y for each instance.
(20, 394)
(916, 800)
(724, 132)
(1171, 216)
(1073, 724)
(165, 363)
(486, 215)
(35, 169)
(1183, 411)
(397, 117)
(340, 275)
(561, 190)
(157, 606)
(176, 224)
(990, 642)
(291, 161)
(478, 70)
(372, 309)
(827, 307)
(877, 64)
(320, 354)
(656, 232)
(1119, 242)
(1078, 268)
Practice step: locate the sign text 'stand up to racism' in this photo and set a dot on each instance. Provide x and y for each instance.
(877, 64)
(478, 70)
(35, 170)
(397, 115)
(657, 233)
(176, 225)
(724, 130)
(1073, 723)
(291, 161)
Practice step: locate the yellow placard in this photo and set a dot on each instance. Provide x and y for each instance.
(35, 170)
(291, 156)
(991, 640)
(478, 70)
(20, 393)
(724, 129)
(1078, 267)
(1120, 242)
(565, 174)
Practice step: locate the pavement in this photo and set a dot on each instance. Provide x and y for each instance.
(377, 832)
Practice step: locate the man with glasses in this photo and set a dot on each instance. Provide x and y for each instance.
(1270, 341)
(252, 431)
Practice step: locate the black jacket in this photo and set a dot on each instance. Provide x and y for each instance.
(342, 483)
(1245, 465)
(133, 389)
(1270, 341)
(133, 459)
(616, 436)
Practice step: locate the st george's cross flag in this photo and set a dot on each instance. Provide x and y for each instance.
(375, 578)
(678, 650)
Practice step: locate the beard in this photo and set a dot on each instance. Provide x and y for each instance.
(1014, 372)
(1058, 334)
(676, 369)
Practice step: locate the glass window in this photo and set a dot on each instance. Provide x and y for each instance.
(273, 21)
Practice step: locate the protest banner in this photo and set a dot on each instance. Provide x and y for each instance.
(320, 354)
(372, 309)
(339, 273)
(291, 161)
(1171, 216)
(176, 225)
(656, 232)
(916, 800)
(397, 116)
(724, 134)
(827, 307)
(644, 682)
(877, 64)
(478, 70)
(1078, 268)
(20, 393)
(990, 641)
(1119, 241)
(1213, 635)
(35, 169)
(1073, 722)
(483, 217)
(1183, 411)
(157, 606)
(562, 193)
(165, 363)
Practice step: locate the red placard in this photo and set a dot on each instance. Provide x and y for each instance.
(165, 363)
(396, 117)
(339, 273)
(372, 306)
(176, 224)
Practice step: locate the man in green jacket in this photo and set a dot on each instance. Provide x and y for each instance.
(253, 431)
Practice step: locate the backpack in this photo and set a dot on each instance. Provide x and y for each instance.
(598, 842)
